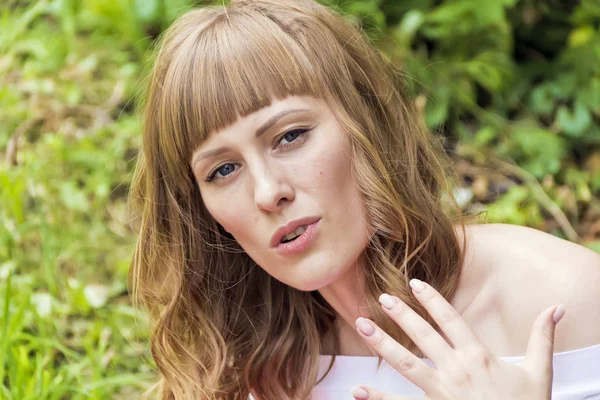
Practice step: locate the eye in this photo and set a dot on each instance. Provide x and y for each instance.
(224, 170)
(291, 137)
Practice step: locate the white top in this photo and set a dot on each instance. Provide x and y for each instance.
(576, 376)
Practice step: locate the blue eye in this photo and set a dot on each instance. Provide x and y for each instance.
(290, 136)
(293, 134)
(224, 170)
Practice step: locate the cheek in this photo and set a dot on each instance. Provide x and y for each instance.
(343, 200)
(229, 216)
(328, 169)
(333, 181)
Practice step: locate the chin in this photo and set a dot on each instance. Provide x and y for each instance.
(319, 271)
(307, 283)
(315, 282)
(304, 285)
(309, 286)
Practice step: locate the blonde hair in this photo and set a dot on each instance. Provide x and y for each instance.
(223, 327)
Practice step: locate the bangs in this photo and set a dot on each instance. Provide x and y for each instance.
(232, 66)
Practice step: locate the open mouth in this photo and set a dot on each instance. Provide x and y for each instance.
(290, 237)
(300, 239)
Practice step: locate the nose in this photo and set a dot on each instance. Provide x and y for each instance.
(271, 189)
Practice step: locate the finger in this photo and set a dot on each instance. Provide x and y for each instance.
(364, 392)
(420, 331)
(456, 329)
(402, 360)
(540, 348)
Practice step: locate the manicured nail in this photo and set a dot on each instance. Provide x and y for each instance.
(558, 313)
(417, 285)
(387, 301)
(365, 326)
(359, 393)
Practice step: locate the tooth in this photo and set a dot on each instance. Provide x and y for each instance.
(299, 231)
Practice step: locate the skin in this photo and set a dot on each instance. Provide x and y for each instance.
(464, 366)
(274, 183)
(282, 175)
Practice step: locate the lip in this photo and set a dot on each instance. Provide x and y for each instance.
(291, 227)
(301, 243)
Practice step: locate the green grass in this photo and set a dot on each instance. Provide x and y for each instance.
(69, 71)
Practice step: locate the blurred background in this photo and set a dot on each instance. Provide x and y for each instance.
(513, 85)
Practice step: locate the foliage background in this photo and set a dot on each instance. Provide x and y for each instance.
(513, 85)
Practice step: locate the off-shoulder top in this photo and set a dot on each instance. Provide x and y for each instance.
(576, 376)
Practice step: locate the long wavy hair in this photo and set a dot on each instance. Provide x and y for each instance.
(222, 327)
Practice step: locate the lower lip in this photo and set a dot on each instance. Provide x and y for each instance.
(301, 242)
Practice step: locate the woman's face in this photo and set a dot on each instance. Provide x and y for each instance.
(285, 162)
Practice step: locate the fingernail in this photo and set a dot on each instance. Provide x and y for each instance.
(387, 301)
(417, 285)
(558, 313)
(359, 393)
(365, 326)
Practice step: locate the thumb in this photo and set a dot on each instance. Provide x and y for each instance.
(540, 348)
(364, 392)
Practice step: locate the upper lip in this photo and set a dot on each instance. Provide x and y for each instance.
(291, 227)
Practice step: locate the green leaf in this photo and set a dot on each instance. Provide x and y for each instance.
(564, 86)
(484, 136)
(537, 150)
(515, 207)
(581, 36)
(589, 96)
(73, 197)
(574, 122)
(409, 25)
(436, 110)
(490, 70)
(541, 100)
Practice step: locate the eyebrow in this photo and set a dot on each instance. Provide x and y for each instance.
(261, 129)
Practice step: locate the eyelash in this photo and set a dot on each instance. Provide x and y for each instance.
(302, 132)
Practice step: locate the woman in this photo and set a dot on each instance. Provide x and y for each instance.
(285, 185)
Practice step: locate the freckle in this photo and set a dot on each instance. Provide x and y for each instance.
(321, 173)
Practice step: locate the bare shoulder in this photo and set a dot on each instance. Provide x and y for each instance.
(531, 270)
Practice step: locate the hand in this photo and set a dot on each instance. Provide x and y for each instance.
(464, 369)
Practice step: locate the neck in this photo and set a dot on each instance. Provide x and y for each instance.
(346, 296)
